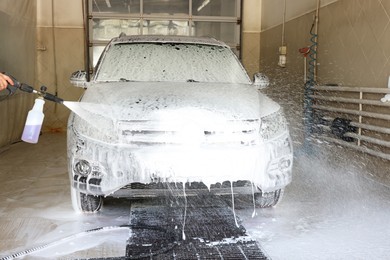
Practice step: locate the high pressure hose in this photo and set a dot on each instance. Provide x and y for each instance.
(41, 247)
(311, 82)
(313, 48)
(35, 249)
(312, 79)
(312, 56)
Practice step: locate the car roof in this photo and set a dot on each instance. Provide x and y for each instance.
(166, 39)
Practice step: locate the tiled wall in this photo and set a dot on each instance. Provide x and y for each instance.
(353, 50)
(355, 42)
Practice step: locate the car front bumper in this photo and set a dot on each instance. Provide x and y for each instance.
(112, 167)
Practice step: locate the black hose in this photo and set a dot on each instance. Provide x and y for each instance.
(146, 227)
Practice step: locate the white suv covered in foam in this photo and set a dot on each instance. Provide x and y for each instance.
(179, 111)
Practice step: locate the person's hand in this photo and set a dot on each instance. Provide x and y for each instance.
(4, 81)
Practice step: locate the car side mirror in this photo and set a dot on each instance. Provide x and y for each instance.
(79, 79)
(260, 81)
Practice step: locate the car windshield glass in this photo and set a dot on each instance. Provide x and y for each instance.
(170, 62)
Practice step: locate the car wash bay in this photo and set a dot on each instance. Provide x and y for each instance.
(337, 206)
(328, 212)
(165, 227)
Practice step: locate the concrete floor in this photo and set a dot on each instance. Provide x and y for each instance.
(337, 207)
(35, 206)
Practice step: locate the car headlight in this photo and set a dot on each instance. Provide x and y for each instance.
(273, 125)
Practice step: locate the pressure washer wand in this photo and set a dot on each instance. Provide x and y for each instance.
(26, 88)
(42, 93)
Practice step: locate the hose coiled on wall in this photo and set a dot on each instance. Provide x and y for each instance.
(312, 55)
(311, 82)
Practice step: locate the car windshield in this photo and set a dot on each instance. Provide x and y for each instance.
(177, 62)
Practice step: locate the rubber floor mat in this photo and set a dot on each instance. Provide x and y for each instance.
(192, 227)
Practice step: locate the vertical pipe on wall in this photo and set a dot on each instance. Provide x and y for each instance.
(312, 77)
(54, 52)
(239, 34)
(316, 39)
(284, 22)
(283, 48)
(312, 80)
(86, 38)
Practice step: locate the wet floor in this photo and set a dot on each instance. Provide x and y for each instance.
(336, 208)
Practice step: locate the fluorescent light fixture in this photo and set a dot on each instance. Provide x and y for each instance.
(108, 3)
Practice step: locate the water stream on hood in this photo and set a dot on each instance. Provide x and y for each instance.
(95, 114)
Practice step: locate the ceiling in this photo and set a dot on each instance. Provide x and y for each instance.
(272, 10)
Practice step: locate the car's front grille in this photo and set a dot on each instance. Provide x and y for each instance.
(188, 185)
(155, 132)
(154, 189)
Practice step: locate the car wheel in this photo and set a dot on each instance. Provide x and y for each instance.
(268, 199)
(85, 203)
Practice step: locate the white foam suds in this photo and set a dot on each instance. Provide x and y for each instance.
(230, 240)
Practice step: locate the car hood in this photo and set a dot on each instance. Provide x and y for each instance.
(105, 104)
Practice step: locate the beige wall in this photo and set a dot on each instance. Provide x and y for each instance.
(353, 43)
(353, 49)
(273, 10)
(60, 40)
(251, 27)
